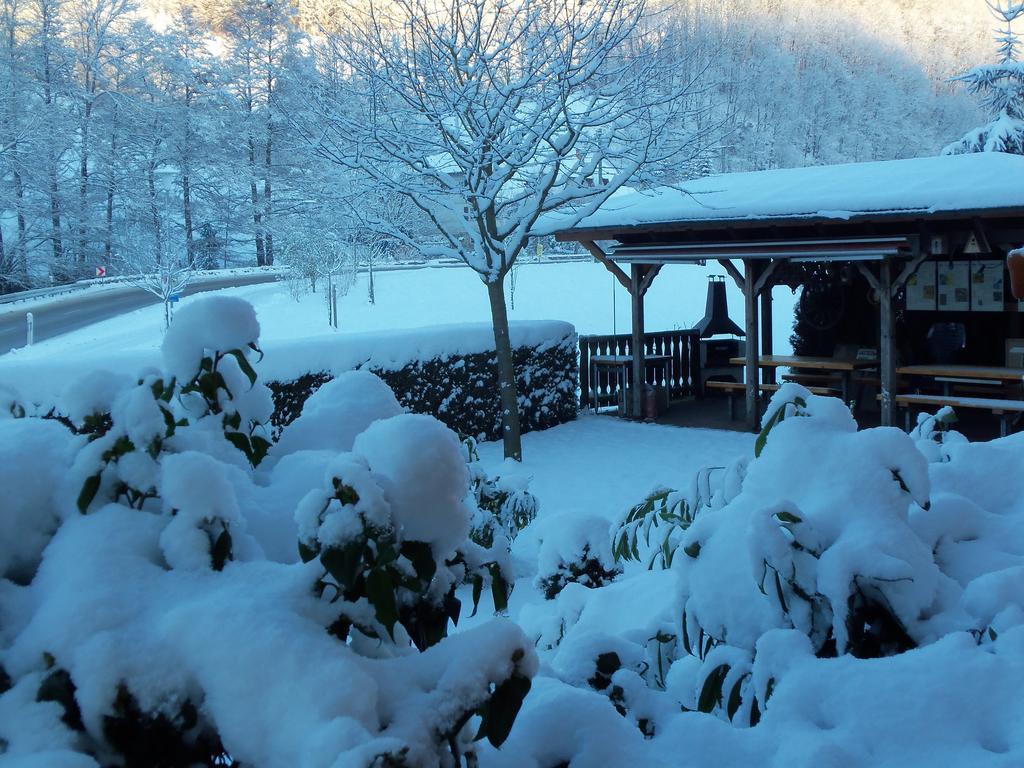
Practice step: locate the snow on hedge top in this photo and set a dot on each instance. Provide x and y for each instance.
(212, 323)
(393, 350)
(923, 185)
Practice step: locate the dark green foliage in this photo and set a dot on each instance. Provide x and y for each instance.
(588, 570)
(154, 740)
(395, 577)
(606, 665)
(498, 713)
(58, 687)
(546, 379)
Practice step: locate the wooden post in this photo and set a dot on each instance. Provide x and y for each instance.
(886, 360)
(750, 314)
(766, 330)
(636, 274)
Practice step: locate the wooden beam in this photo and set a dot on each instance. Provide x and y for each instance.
(908, 270)
(649, 275)
(765, 277)
(886, 347)
(637, 344)
(751, 367)
(734, 273)
(870, 277)
(598, 253)
(766, 333)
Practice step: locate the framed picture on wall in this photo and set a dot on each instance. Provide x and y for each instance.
(987, 286)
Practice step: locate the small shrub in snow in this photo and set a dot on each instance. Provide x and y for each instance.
(578, 553)
(504, 505)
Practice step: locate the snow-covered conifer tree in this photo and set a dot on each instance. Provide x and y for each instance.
(1001, 87)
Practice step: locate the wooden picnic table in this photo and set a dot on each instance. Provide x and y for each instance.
(844, 366)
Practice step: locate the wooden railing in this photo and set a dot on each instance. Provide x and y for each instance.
(680, 376)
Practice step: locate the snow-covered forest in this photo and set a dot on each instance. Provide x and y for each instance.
(166, 131)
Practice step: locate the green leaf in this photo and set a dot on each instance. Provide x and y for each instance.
(260, 447)
(89, 490)
(499, 588)
(343, 563)
(779, 592)
(220, 552)
(243, 363)
(307, 553)
(788, 517)
(711, 691)
(735, 699)
(421, 555)
(499, 713)
(381, 594)
(478, 589)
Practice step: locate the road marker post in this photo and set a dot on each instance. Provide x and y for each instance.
(30, 323)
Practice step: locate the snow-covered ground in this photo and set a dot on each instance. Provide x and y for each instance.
(825, 596)
(578, 292)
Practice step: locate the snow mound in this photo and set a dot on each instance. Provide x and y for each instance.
(422, 461)
(334, 415)
(210, 323)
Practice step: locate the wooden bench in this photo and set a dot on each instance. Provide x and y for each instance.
(996, 406)
(732, 388)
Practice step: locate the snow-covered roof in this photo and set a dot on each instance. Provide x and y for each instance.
(921, 186)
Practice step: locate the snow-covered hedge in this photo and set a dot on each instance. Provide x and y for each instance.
(446, 371)
(178, 590)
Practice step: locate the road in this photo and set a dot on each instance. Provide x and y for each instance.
(69, 313)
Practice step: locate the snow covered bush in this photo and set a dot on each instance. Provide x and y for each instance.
(577, 552)
(142, 623)
(449, 373)
(504, 504)
(828, 542)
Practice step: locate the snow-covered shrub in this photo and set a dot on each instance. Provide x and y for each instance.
(390, 530)
(327, 420)
(503, 503)
(576, 552)
(818, 536)
(152, 630)
(35, 454)
(934, 434)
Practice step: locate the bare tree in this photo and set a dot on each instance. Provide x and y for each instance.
(498, 120)
(154, 257)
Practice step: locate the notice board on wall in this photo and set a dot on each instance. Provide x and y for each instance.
(987, 286)
(954, 286)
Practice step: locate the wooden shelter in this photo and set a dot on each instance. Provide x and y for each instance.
(886, 219)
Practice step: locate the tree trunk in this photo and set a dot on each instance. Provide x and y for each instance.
(268, 237)
(257, 216)
(19, 203)
(83, 185)
(373, 298)
(186, 212)
(58, 250)
(506, 372)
